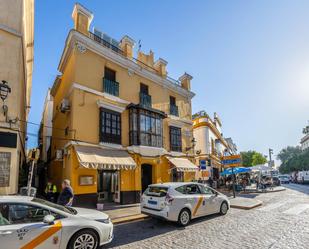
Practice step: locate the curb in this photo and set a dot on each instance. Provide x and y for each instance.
(130, 218)
(246, 207)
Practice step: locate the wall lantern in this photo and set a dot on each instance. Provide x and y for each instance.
(4, 90)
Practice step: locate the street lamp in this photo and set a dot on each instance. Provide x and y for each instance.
(4, 92)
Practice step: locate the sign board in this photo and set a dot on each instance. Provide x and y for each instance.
(231, 161)
(5, 164)
(203, 165)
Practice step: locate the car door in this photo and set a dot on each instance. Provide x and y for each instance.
(194, 199)
(8, 231)
(210, 200)
(32, 231)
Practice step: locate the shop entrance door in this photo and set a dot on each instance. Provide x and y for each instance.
(108, 186)
(146, 176)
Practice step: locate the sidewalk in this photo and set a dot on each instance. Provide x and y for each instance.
(244, 203)
(125, 214)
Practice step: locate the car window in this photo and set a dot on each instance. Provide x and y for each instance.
(23, 213)
(204, 190)
(4, 214)
(156, 191)
(191, 189)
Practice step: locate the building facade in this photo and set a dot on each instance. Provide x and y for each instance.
(210, 144)
(119, 122)
(304, 142)
(16, 53)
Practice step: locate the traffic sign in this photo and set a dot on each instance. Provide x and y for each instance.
(231, 161)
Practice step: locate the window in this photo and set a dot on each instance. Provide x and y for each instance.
(191, 189)
(175, 139)
(109, 74)
(110, 126)
(204, 190)
(110, 85)
(16, 213)
(144, 89)
(172, 100)
(173, 107)
(146, 127)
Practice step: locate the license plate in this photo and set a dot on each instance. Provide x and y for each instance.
(152, 202)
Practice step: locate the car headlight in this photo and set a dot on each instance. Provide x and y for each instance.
(105, 221)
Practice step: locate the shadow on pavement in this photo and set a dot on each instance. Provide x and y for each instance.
(298, 187)
(140, 230)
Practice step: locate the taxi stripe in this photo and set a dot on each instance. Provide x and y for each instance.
(43, 236)
(200, 200)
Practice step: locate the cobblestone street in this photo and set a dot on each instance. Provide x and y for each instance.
(281, 222)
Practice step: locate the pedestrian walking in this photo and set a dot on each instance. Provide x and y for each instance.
(66, 196)
(50, 191)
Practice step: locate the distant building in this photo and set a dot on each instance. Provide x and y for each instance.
(210, 143)
(232, 148)
(16, 62)
(304, 142)
(45, 132)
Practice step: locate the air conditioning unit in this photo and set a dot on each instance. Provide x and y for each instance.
(64, 105)
(59, 154)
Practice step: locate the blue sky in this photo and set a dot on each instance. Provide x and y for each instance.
(249, 59)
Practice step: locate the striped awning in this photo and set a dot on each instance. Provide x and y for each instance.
(94, 157)
(182, 164)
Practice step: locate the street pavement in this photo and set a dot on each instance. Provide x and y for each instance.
(281, 222)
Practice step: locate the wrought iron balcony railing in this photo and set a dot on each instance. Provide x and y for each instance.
(111, 87)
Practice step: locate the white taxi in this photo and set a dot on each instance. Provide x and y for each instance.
(182, 201)
(27, 222)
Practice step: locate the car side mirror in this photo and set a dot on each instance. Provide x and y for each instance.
(49, 219)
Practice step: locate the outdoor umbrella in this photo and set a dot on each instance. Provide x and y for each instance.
(235, 170)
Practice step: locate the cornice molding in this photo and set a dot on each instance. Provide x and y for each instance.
(75, 36)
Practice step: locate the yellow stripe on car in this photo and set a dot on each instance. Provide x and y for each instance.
(43, 236)
(200, 200)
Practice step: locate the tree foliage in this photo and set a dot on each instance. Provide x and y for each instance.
(252, 158)
(293, 159)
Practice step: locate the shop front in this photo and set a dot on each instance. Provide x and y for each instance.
(182, 170)
(99, 171)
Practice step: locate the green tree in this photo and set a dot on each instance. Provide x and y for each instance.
(252, 158)
(293, 159)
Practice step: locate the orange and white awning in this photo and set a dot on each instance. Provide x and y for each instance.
(94, 157)
(182, 164)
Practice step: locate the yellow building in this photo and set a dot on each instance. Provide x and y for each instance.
(119, 122)
(210, 144)
(16, 53)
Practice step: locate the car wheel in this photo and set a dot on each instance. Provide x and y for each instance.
(224, 208)
(184, 217)
(84, 239)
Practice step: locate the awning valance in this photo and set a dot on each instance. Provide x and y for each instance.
(182, 164)
(95, 157)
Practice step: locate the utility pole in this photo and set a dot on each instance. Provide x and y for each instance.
(270, 152)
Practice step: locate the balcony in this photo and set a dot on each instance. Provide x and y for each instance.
(145, 100)
(105, 43)
(111, 87)
(174, 110)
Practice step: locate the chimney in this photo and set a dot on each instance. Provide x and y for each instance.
(185, 80)
(127, 45)
(160, 66)
(82, 18)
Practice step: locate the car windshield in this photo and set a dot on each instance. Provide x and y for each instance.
(156, 191)
(68, 210)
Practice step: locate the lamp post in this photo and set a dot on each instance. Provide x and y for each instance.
(4, 92)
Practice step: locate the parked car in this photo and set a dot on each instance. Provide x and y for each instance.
(284, 179)
(28, 222)
(303, 177)
(182, 201)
